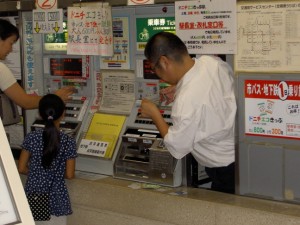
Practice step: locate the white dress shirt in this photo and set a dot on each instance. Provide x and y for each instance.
(204, 113)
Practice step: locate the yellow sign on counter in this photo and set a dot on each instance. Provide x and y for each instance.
(102, 135)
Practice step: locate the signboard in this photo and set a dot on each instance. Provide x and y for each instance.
(139, 2)
(147, 27)
(90, 31)
(47, 21)
(46, 4)
(268, 36)
(207, 27)
(272, 108)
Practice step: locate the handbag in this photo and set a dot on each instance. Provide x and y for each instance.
(8, 110)
(39, 205)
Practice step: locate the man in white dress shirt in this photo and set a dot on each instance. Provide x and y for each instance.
(204, 109)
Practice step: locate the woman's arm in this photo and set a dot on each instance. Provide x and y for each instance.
(70, 169)
(18, 95)
(23, 162)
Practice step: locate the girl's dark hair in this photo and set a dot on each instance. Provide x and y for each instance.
(7, 29)
(167, 44)
(51, 108)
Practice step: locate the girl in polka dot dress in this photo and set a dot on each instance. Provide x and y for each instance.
(48, 157)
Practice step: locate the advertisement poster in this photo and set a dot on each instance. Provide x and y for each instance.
(207, 27)
(147, 27)
(272, 108)
(268, 37)
(90, 31)
(121, 56)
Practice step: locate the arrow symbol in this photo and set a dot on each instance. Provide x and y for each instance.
(56, 28)
(37, 28)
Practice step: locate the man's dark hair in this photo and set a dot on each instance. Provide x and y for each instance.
(167, 44)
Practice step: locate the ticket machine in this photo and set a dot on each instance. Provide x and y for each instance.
(142, 155)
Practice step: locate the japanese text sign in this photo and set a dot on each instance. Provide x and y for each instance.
(272, 108)
(47, 21)
(207, 27)
(90, 31)
(147, 27)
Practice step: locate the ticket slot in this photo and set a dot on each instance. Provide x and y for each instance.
(66, 126)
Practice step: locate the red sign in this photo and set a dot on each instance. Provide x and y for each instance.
(140, 2)
(272, 89)
(46, 4)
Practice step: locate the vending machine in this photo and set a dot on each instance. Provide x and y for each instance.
(108, 89)
(142, 155)
(48, 67)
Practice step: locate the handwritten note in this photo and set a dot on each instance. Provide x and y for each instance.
(90, 31)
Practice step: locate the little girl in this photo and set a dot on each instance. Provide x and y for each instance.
(48, 156)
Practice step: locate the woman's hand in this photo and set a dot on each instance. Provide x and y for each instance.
(65, 92)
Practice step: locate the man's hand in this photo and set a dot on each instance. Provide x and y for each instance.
(167, 94)
(148, 109)
(65, 92)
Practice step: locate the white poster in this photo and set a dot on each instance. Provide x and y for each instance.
(47, 21)
(90, 31)
(272, 108)
(268, 37)
(207, 27)
(118, 91)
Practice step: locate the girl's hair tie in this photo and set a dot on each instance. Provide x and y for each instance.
(50, 118)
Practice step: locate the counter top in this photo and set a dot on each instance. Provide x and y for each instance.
(182, 205)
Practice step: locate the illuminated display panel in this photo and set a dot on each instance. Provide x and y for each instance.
(66, 67)
(148, 72)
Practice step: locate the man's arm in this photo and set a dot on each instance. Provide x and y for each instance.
(150, 110)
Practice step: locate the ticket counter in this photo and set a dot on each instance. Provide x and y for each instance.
(121, 202)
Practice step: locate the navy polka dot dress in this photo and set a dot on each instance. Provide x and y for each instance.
(40, 180)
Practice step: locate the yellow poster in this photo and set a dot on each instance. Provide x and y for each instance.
(102, 135)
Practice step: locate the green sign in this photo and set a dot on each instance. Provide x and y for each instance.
(147, 27)
(57, 37)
